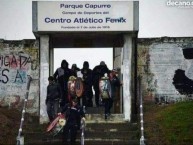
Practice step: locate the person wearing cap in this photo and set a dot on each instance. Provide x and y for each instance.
(99, 72)
(62, 75)
(53, 98)
(73, 114)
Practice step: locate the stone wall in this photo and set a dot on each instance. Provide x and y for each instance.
(166, 67)
(18, 59)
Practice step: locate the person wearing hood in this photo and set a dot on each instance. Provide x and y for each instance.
(62, 75)
(87, 80)
(99, 72)
(74, 70)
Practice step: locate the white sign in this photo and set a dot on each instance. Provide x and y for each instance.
(85, 16)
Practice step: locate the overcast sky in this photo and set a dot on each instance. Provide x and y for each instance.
(157, 18)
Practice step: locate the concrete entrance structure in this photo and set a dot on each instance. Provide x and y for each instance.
(93, 24)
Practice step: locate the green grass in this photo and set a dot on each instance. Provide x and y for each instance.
(170, 125)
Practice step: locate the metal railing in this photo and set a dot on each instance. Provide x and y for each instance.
(142, 139)
(20, 139)
(83, 124)
(82, 131)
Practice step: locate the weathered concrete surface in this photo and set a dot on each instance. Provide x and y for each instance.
(17, 60)
(159, 60)
(44, 74)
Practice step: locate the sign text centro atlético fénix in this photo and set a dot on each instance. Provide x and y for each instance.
(85, 15)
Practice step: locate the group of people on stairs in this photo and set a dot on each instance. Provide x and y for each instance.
(62, 97)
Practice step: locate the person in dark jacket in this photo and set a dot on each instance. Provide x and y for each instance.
(73, 114)
(62, 75)
(98, 72)
(115, 84)
(53, 98)
(87, 80)
(74, 70)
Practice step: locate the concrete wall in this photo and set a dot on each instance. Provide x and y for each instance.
(166, 70)
(167, 73)
(17, 60)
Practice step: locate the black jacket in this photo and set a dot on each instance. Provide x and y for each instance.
(73, 115)
(62, 75)
(99, 72)
(53, 92)
(87, 77)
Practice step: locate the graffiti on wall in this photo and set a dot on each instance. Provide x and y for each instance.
(182, 83)
(13, 73)
(164, 60)
(166, 67)
(35, 53)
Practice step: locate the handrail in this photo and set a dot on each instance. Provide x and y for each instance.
(23, 111)
(142, 139)
(83, 124)
(82, 131)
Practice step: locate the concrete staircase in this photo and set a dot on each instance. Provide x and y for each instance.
(113, 131)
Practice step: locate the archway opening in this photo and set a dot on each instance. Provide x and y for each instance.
(79, 55)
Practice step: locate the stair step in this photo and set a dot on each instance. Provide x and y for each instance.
(121, 135)
(100, 118)
(123, 126)
(111, 142)
(98, 131)
(88, 142)
(112, 135)
(93, 141)
(95, 110)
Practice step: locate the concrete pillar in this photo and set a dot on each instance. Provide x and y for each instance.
(117, 64)
(44, 74)
(126, 69)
